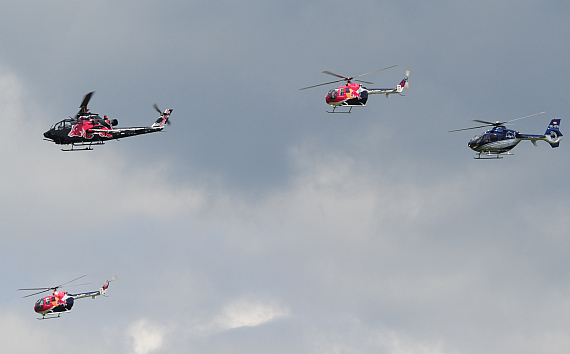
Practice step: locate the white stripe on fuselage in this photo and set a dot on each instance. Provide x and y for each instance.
(498, 146)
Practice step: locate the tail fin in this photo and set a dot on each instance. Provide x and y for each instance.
(553, 134)
(103, 289)
(162, 120)
(404, 83)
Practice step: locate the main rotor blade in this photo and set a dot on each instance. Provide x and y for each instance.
(71, 281)
(69, 286)
(326, 83)
(86, 99)
(39, 292)
(43, 290)
(532, 115)
(376, 71)
(490, 123)
(333, 74)
(457, 130)
(366, 82)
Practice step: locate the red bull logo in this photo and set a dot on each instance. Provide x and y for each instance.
(352, 94)
(83, 130)
(80, 130)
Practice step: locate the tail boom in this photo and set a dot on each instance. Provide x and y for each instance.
(398, 89)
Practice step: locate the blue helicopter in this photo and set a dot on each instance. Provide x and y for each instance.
(500, 140)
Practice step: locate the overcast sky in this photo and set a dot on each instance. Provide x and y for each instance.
(257, 222)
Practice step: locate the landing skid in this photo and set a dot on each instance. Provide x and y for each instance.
(490, 156)
(49, 317)
(335, 107)
(88, 146)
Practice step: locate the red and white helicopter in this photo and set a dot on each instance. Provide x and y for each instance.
(356, 95)
(61, 301)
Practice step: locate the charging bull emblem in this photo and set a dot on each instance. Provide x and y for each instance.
(80, 130)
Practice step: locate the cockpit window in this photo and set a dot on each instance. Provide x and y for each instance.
(476, 139)
(333, 93)
(64, 124)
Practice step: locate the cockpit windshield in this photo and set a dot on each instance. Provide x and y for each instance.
(476, 139)
(64, 124)
(333, 93)
(40, 302)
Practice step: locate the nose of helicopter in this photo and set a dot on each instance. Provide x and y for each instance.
(49, 135)
(474, 142)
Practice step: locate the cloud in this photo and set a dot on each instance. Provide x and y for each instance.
(350, 335)
(243, 312)
(145, 337)
(249, 313)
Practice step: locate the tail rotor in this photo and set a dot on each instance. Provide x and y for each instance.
(167, 122)
(106, 284)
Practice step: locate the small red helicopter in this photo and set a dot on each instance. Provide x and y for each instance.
(356, 95)
(88, 129)
(61, 301)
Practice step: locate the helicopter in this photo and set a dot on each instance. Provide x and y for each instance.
(500, 140)
(87, 129)
(61, 301)
(355, 95)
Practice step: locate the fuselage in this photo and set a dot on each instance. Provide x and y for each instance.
(69, 131)
(349, 95)
(497, 140)
(59, 301)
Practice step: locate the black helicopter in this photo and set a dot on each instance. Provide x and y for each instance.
(87, 129)
(500, 140)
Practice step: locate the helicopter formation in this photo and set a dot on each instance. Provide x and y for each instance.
(87, 129)
(491, 144)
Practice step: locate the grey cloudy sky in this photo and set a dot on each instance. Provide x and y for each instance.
(258, 223)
